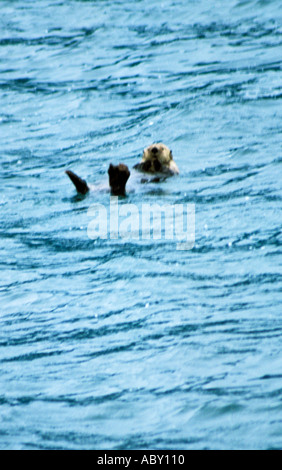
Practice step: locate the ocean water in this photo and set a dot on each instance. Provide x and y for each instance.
(126, 343)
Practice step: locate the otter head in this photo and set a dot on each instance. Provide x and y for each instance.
(157, 158)
(118, 176)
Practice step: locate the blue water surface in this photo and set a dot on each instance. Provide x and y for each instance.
(131, 343)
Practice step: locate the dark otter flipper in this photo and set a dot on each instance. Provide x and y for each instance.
(118, 176)
(80, 184)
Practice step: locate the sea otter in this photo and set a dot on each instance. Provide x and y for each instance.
(157, 162)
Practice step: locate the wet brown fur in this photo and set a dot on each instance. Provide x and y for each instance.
(157, 158)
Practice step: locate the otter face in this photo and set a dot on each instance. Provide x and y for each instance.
(157, 159)
(118, 176)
